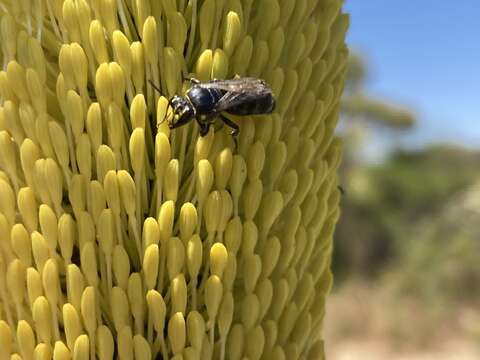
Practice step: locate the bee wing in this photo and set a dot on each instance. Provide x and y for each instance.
(238, 85)
(238, 91)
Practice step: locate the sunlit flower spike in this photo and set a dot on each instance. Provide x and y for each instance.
(122, 238)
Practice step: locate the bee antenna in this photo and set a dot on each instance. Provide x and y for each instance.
(154, 86)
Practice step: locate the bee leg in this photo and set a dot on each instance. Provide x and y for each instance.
(154, 86)
(234, 127)
(204, 128)
(192, 80)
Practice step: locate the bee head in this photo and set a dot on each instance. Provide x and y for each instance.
(183, 111)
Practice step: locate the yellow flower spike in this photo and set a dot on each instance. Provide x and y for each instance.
(26, 339)
(150, 233)
(77, 194)
(98, 201)
(177, 333)
(235, 342)
(89, 316)
(66, 79)
(225, 317)
(255, 161)
(237, 179)
(141, 347)
(70, 21)
(120, 308)
(137, 151)
(103, 85)
(40, 250)
(252, 198)
(194, 262)
(121, 51)
(89, 263)
(54, 184)
(175, 257)
(162, 158)
(108, 10)
(218, 259)
(288, 185)
(118, 82)
(12, 121)
(172, 71)
(75, 111)
(27, 117)
(242, 56)
(178, 287)
(8, 29)
(207, 22)
(86, 229)
(105, 161)
(97, 42)
(43, 319)
(17, 80)
(203, 67)
(287, 321)
(176, 31)
(81, 348)
(190, 353)
(195, 329)
(51, 284)
(105, 344)
(60, 146)
(93, 125)
(16, 284)
(84, 159)
(219, 65)
(188, 221)
(213, 210)
(157, 312)
(34, 285)
(75, 285)
(61, 352)
(129, 196)
(213, 297)
(254, 343)
(270, 209)
(67, 231)
(150, 40)
(274, 167)
(138, 65)
(9, 160)
(5, 89)
(270, 257)
(249, 238)
(271, 332)
(280, 295)
(232, 32)
(5, 340)
(121, 266)
(42, 132)
(251, 271)
(42, 352)
(80, 67)
(170, 185)
(264, 292)
(40, 182)
(250, 311)
(223, 168)
(138, 111)
(137, 301)
(150, 266)
(233, 235)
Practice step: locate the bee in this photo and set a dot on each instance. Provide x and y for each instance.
(207, 102)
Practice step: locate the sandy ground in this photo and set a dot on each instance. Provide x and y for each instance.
(362, 324)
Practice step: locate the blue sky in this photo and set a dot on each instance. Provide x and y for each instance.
(424, 55)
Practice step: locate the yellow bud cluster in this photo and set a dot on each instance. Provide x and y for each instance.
(121, 237)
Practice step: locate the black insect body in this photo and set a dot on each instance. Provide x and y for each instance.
(206, 102)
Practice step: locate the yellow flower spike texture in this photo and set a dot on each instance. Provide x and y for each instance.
(122, 236)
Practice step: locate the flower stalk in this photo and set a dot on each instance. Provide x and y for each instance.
(122, 237)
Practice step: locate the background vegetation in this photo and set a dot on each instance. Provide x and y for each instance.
(407, 242)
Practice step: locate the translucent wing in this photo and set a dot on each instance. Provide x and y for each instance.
(238, 91)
